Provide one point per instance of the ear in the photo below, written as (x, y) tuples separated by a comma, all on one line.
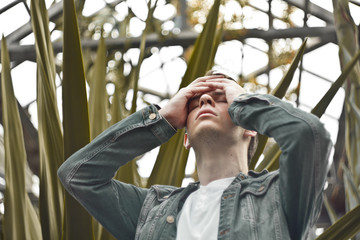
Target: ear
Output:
[(186, 142), (249, 133)]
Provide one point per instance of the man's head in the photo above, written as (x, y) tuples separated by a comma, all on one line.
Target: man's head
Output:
[(208, 120)]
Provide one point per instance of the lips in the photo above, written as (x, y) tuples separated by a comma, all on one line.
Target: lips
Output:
[(204, 111)]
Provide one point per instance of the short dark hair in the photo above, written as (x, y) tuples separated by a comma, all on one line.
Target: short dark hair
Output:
[(220, 73), (254, 140), (252, 147)]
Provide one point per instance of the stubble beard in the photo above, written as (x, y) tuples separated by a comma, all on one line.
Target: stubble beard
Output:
[(208, 137), (213, 137)]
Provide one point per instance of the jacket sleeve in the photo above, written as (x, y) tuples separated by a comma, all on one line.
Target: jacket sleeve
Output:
[(305, 146), (88, 174)]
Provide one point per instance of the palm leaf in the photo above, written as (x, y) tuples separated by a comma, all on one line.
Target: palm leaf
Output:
[(98, 96), (271, 159), (20, 219), (345, 228), (203, 46), (279, 91), (351, 191), (348, 41), (218, 38), (49, 130), (77, 222), (116, 110), (320, 108), (259, 150), (136, 73), (171, 160), (170, 163)]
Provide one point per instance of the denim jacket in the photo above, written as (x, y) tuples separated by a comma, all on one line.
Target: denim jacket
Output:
[(278, 205)]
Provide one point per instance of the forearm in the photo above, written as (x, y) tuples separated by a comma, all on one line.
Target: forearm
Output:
[(305, 146), (293, 129), (99, 160), (88, 174)]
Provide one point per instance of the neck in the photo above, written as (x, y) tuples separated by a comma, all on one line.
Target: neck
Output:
[(217, 162)]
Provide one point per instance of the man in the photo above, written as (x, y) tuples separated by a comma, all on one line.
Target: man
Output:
[(229, 202)]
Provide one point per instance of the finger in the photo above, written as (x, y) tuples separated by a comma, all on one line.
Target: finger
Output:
[(222, 80), (202, 83), (198, 84), (208, 85), (216, 85), (196, 91), (200, 90), (222, 83), (203, 79)]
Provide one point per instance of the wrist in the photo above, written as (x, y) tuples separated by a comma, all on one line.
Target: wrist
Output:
[(166, 117)]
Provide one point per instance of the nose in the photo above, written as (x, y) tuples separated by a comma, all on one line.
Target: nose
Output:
[(206, 99)]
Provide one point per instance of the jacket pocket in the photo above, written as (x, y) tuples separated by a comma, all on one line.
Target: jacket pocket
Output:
[(261, 211)]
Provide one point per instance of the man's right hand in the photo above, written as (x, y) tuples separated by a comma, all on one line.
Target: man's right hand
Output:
[(176, 110)]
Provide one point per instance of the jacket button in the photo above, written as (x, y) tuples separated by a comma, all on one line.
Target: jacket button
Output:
[(152, 116), (170, 219), (261, 188)]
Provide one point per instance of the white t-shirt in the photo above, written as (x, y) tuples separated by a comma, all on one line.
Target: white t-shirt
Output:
[(199, 217)]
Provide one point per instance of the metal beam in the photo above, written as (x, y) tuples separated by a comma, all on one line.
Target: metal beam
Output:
[(185, 39), (265, 69), (313, 9), (327, 32), (54, 12), (10, 5)]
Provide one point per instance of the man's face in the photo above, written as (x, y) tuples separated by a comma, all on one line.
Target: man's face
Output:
[(208, 115)]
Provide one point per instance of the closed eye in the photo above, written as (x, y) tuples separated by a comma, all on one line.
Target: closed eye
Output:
[(221, 98), (193, 103), (192, 107)]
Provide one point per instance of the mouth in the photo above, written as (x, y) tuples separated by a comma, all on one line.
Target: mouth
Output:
[(204, 113)]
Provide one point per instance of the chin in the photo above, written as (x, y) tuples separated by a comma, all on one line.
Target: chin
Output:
[(207, 135)]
